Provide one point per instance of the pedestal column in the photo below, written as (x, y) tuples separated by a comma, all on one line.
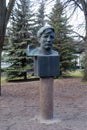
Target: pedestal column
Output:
[(46, 98)]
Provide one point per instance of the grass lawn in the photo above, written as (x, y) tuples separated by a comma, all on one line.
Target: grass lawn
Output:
[(76, 73), (3, 79)]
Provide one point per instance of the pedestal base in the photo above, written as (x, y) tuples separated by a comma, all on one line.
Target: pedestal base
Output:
[(46, 122)]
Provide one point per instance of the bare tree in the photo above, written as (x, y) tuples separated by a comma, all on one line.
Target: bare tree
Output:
[(82, 5), (5, 12)]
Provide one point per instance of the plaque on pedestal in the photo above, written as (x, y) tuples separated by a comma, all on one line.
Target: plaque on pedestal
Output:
[(46, 66)]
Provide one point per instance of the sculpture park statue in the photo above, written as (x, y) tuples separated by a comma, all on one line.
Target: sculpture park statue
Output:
[(46, 36), (46, 66)]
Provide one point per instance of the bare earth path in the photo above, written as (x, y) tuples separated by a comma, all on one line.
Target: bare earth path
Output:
[(19, 105)]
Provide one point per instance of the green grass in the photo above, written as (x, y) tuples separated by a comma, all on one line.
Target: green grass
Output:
[(29, 78), (3, 79), (76, 73)]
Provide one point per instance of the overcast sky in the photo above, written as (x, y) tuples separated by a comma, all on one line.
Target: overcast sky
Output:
[(78, 17)]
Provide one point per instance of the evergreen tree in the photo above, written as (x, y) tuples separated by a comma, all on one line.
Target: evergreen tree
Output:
[(40, 18), (63, 42), (41, 14), (19, 39)]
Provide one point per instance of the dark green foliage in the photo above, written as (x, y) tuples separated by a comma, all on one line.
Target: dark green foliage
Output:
[(63, 41), (40, 19), (41, 14), (20, 37)]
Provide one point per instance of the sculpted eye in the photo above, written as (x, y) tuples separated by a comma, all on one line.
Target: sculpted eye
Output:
[(52, 37), (45, 36)]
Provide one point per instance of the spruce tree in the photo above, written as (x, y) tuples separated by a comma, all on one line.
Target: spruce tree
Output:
[(41, 14), (63, 41), (39, 18), (19, 39)]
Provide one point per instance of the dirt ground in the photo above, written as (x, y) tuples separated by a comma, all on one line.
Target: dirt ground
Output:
[(19, 105)]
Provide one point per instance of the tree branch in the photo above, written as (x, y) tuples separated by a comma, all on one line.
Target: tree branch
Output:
[(84, 5), (76, 3), (79, 35), (9, 9)]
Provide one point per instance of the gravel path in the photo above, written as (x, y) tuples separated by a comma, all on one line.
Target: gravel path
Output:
[(19, 106)]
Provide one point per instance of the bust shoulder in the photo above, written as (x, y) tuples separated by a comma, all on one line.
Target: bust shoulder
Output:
[(55, 53), (32, 51)]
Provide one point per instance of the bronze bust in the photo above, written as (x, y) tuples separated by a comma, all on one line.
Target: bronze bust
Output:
[(45, 37)]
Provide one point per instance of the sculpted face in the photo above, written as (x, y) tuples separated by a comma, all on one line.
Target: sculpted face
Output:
[(46, 39)]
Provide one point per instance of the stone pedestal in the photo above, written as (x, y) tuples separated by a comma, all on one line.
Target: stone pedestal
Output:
[(46, 98), (46, 66)]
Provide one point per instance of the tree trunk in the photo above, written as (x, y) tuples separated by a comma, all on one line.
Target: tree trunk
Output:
[(0, 72), (4, 17), (2, 30), (84, 5), (1, 48), (85, 68), (25, 76)]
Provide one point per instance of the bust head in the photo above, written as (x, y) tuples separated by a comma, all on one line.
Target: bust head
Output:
[(46, 37)]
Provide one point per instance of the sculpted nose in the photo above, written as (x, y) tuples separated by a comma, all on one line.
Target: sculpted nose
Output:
[(48, 39)]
